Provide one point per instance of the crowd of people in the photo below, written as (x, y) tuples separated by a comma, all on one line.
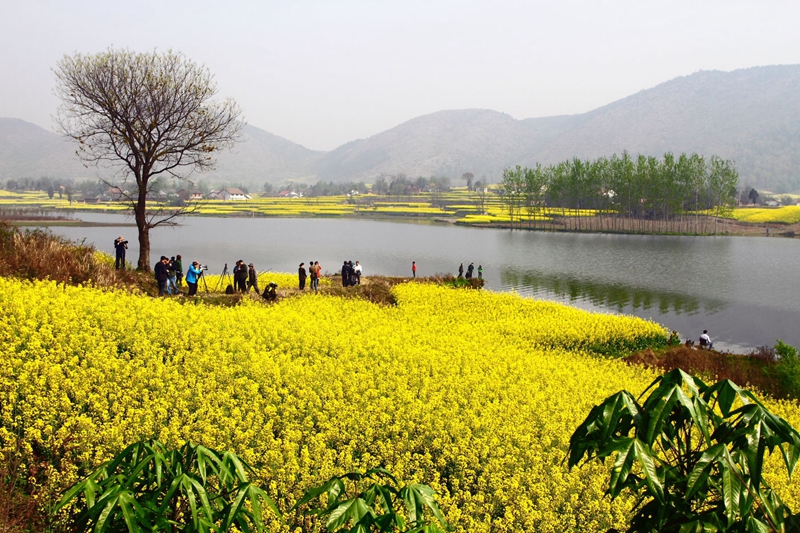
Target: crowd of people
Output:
[(169, 273), (351, 274), (470, 271), (313, 274)]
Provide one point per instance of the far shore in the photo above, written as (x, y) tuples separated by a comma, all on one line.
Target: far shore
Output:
[(726, 227)]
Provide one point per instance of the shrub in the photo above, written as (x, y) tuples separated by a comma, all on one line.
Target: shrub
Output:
[(694, 454), (786, 370), (148, 487)]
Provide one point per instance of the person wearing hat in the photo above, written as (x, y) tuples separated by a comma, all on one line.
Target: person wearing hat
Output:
[(120, 245), (162, 274), (252, 278), (193, 274)]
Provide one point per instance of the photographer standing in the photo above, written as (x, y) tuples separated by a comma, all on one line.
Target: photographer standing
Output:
[(120, 245), (252, 278), (193, 274)]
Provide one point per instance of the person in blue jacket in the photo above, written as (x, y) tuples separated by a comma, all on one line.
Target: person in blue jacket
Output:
[(192, 276)]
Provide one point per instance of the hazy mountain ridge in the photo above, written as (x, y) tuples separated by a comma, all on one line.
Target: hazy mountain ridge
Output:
[(751, 116), (27, 150)]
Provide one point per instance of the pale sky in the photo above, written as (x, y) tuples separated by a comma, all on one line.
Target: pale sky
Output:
[(325, 73)]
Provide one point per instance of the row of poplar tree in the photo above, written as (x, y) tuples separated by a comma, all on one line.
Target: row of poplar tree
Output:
[(642, 188)]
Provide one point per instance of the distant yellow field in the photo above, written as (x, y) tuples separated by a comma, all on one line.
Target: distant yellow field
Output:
[(768, 215)]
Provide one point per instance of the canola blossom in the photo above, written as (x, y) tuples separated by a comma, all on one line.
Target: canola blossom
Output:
[(789, 214), (473, 393)]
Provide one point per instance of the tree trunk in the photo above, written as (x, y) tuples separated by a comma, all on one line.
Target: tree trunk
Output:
[(140, 214)]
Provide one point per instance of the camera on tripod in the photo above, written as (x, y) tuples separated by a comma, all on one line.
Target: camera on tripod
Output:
[(203, 267)]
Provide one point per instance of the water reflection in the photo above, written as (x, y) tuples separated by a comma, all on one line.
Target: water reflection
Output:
[(618, 297)]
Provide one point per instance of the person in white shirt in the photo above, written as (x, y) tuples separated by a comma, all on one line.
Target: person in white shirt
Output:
[(357, 272), (705, 340)]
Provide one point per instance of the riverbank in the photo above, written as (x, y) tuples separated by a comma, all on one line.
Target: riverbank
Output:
[(457, 207)]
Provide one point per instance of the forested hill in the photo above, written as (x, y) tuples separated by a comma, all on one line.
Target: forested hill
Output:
[(751, 116)]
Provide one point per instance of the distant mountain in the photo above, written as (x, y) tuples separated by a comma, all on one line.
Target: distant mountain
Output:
[(447, 143), (26, 150), (264, 157), (751, 116)]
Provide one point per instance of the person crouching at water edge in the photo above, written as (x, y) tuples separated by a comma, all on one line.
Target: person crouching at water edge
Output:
[(193, 274)]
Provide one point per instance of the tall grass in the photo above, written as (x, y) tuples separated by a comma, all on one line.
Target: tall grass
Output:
[(38, 254)]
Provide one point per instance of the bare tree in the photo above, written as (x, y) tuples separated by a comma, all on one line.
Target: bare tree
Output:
[(150, 115)]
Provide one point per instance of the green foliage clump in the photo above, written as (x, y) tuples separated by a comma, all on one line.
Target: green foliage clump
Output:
[(694, 454), (786, 370), (148, 487), (376, 506)]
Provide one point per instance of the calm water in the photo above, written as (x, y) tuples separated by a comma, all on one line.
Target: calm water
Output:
[(745, 291)]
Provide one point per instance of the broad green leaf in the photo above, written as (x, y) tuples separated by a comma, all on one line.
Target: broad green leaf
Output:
[(731, 493), (658, 412), (349, 510), (622, 465), (645, 458), (418, 496), (700, 472)]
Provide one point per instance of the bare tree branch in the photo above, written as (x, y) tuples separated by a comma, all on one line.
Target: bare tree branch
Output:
[(149, 115)]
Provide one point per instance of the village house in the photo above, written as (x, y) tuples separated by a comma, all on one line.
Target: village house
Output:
[(231, 193), (288, 194)]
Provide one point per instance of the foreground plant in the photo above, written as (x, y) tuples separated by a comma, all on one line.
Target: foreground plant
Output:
[(150, 488), (376, 506), (693, 454)]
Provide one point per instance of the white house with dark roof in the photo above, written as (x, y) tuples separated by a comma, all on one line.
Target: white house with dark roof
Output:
[(231, 193)]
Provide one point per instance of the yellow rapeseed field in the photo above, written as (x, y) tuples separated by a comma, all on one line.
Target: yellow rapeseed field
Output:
[(789, 214), (471, 392)]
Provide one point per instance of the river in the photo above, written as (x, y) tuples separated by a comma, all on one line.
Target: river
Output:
[(743, 290)]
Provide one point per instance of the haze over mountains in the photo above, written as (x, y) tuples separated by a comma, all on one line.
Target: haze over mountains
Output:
[(751, 116)]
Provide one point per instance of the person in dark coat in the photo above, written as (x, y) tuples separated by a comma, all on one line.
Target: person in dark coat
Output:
[(252, 278), (345, 274), (161, 273), (240, 276), (301, 275), (120, 245), (178, 269), (461, 270), (470, 270)]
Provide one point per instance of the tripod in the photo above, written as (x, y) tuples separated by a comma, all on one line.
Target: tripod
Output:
[(225, 276), (205, 285)]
